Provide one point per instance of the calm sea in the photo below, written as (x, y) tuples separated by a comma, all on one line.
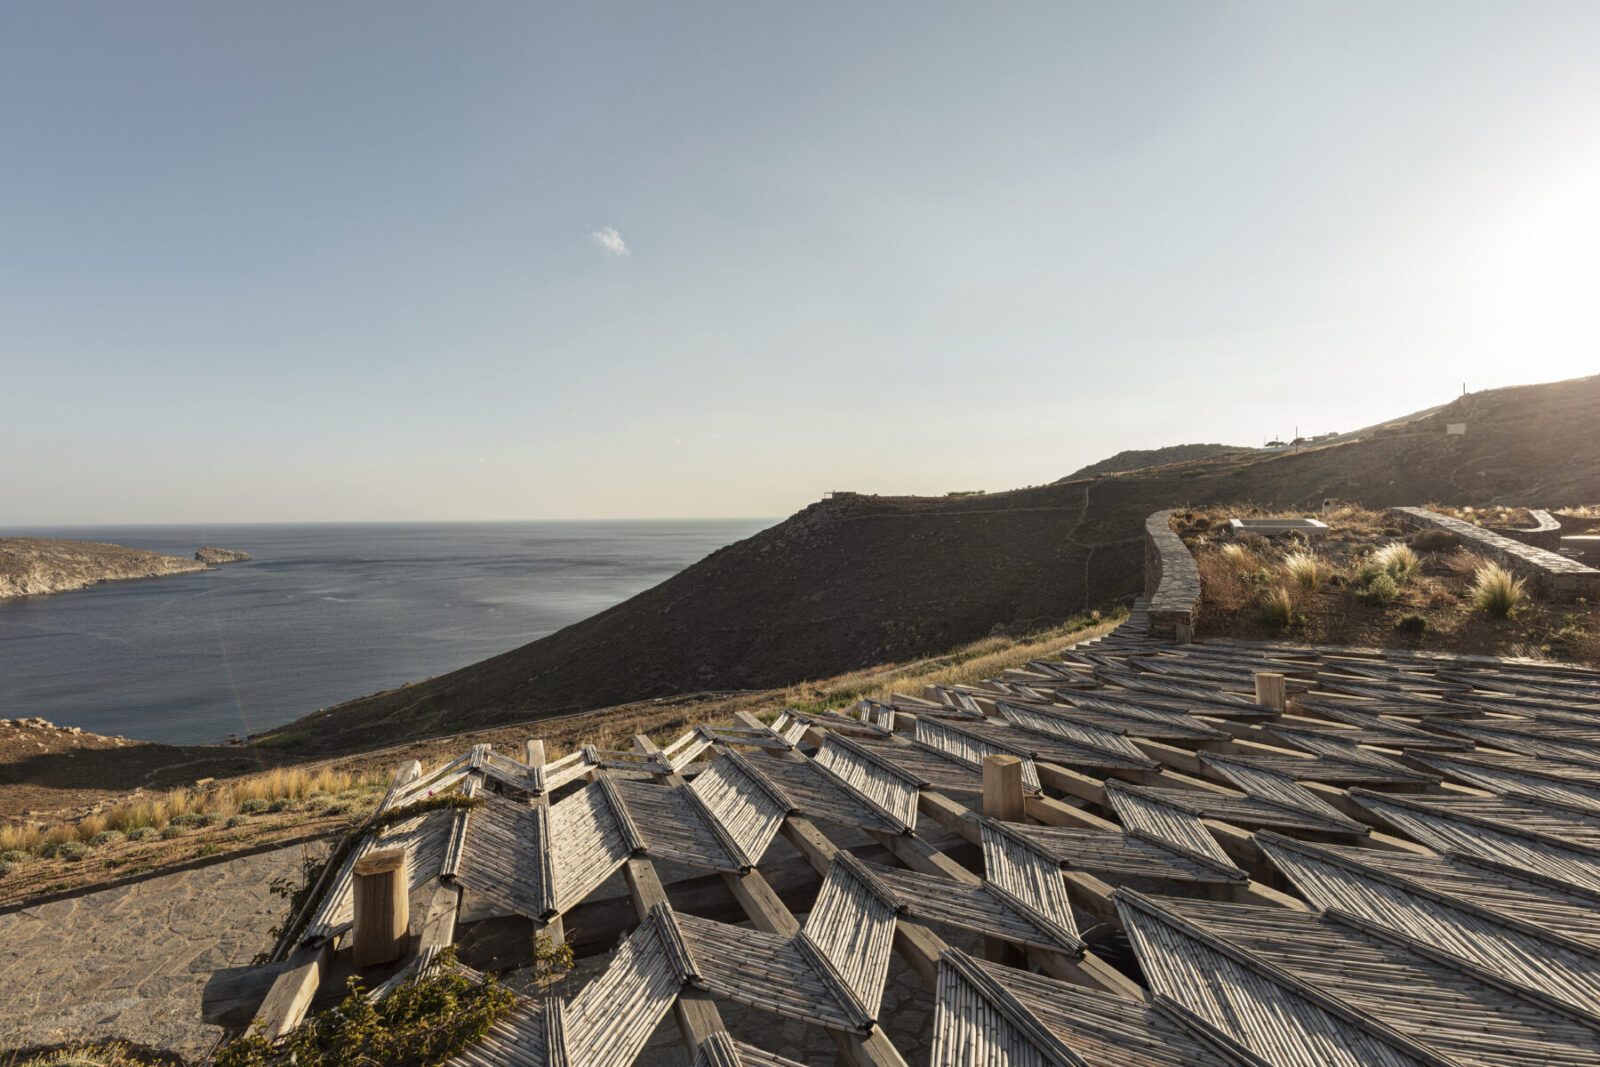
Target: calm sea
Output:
[(321, 614)]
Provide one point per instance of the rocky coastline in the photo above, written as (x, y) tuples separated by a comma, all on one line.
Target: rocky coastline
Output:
[(38, 566), (209, 554)]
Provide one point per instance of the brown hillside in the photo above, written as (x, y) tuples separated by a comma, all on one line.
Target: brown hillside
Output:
[(862, 580)]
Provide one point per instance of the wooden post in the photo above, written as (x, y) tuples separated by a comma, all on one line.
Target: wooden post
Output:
[(1271, 690), (382, 907), (1002, 788), (533, 753)]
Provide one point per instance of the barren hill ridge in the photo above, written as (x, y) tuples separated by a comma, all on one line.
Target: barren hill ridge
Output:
[(1139, 458), (861, 580)]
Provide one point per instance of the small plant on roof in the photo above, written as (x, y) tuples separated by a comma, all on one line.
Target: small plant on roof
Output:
[(426, 1021), (1496, 591)]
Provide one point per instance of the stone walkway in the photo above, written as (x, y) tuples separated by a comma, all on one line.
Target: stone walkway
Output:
[(130, 963)]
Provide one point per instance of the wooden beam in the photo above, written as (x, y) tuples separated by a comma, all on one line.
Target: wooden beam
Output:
[(439, 925), (694, 1010), (556, 928), (291, 993)]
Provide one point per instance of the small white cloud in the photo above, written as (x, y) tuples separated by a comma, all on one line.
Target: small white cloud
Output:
[(610, 240)]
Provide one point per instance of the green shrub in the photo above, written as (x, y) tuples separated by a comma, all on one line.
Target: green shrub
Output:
[(253, 805), (72, 851), (1496, 591), (170, 831), (1412, 624), (138, 833), (423, 1022), (15, 855), (188, 819), (1380, 589), (237, 820), (106, 837)]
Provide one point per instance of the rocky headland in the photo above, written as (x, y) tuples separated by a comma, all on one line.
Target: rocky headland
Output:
[(35, 566), (209, 554)]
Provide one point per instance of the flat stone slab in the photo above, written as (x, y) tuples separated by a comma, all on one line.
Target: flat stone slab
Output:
[(1268, 527), (130, 963)]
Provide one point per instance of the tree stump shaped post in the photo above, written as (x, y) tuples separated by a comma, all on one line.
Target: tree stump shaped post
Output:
[(382, 907), (1272, 690)]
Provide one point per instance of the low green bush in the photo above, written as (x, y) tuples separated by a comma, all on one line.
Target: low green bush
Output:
[(253, 805), (423, 1022), (138, 833), (106, 837), (1412, 624), (1379, 590), (188, 819), (237, 820)]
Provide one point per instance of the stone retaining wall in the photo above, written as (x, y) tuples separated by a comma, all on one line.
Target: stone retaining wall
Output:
[(1545, 535), (1552, 576), (1171, 581)]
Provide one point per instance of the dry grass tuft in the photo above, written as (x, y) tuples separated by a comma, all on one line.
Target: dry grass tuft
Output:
[(1398, 561), (1277, 608), (1497, 592), (1305, 570)]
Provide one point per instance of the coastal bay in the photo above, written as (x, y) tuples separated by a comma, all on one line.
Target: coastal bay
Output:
[(323, 613)]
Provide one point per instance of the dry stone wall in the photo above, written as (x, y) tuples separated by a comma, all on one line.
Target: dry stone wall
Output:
[(1553, 576), (1546, 533), (1171, 581)]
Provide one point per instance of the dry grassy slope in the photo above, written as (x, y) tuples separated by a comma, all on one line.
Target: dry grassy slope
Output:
[(858, 581)]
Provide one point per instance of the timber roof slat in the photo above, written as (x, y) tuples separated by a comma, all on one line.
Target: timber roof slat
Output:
[(970, 748)]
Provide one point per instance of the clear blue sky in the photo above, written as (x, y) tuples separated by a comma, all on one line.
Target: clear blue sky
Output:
[(306, 261)]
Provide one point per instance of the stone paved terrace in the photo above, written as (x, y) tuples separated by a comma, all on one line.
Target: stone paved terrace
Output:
[(130, 962), (1555, 576)]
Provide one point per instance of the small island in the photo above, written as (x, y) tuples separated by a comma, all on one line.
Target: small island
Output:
[(37, 566), (208, 554)]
